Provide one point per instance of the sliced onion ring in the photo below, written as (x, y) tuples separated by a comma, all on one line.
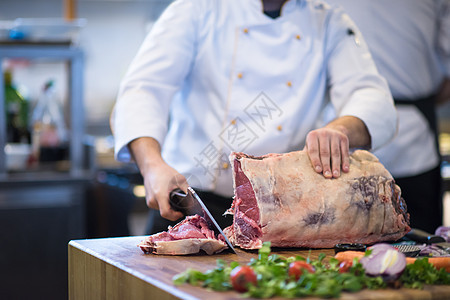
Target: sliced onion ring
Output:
[(385, 261)]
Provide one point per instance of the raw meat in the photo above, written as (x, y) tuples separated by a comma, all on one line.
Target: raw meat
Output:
[(187, 237), (280, 198)]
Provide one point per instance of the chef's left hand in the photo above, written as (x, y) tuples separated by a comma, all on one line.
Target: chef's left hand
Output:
[(328, 150), (328, 147)]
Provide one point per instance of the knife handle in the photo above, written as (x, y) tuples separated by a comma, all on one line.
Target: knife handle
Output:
[(423, 237), (176, 199)]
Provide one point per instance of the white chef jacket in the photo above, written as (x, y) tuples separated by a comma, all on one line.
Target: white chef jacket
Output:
[(219, 76), (410, 44)]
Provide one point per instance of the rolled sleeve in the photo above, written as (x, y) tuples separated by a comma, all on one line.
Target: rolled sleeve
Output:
[(155, 75), (356, 87)]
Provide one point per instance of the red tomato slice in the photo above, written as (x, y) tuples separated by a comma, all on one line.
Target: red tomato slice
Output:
[(241, 277), (344, 266), (296, 268)]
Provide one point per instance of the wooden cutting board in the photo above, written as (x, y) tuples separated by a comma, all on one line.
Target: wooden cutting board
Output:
[(115, 268)]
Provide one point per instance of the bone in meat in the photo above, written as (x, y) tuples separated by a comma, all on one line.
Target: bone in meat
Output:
[(280, 198)]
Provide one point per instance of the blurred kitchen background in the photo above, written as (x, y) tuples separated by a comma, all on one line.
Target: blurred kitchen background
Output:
[(65, 60), (62, 61)]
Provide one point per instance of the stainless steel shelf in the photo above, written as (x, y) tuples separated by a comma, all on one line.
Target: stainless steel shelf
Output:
[(75, 58)]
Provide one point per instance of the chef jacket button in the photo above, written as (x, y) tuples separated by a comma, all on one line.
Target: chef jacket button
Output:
[(225, 165), (239, 75), (233, 122), (298, 37), (279, 127), (289, 83), (245, 30)]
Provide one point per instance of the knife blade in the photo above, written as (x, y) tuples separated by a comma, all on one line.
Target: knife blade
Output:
[(191, 204)]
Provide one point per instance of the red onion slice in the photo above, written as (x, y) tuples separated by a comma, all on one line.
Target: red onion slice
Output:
[(443, 231), (384, 261)]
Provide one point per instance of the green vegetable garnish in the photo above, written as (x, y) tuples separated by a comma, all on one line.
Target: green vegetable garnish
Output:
[(422, 272), (368, 252), (326, 281)]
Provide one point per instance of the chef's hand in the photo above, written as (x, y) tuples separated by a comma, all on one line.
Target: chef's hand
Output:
[(159, 178), (328, 151), (328, 147), (158, 183)]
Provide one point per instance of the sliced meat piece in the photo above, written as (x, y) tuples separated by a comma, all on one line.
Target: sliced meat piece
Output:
[(184, 247), (187, 237), (280, 198)]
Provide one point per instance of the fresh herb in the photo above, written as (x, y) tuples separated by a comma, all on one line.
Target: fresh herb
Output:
[(217, 279), (326, 281), (368, 252), (422, 272)]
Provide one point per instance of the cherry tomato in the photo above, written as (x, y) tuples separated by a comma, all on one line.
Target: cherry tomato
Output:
[(241, 277), (296, 268), (344, 266)]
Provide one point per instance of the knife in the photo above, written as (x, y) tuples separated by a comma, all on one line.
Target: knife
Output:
[(424, 237), (191, 204)]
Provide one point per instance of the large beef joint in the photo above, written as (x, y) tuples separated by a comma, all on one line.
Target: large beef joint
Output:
[(187, 237), (281, 199)]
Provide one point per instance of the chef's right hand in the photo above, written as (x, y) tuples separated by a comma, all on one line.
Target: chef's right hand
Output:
[(159, 178), (158, 183)]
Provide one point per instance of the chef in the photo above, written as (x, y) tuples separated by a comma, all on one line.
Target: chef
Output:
[(252, 76), (415, 59)]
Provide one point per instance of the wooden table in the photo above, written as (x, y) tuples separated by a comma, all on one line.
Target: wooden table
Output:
[(115, 268)]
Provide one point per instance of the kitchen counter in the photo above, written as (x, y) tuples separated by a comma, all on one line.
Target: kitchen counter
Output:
[(115, 268)]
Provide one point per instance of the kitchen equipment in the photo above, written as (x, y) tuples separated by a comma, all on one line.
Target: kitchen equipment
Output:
[(49, 134), (180, 201), (17, 156), (424, 237), (349, 247), (191, 204), (408, 250), (47, 29), (5, 27)]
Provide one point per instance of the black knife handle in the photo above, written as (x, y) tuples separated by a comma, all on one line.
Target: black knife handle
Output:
[(424, 237), (176, 199)]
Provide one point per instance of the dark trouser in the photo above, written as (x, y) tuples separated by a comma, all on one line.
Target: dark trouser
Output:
[(216, 205), (423, 195)]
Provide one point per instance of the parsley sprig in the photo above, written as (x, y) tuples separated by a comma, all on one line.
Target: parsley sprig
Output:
[(422, 272)]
